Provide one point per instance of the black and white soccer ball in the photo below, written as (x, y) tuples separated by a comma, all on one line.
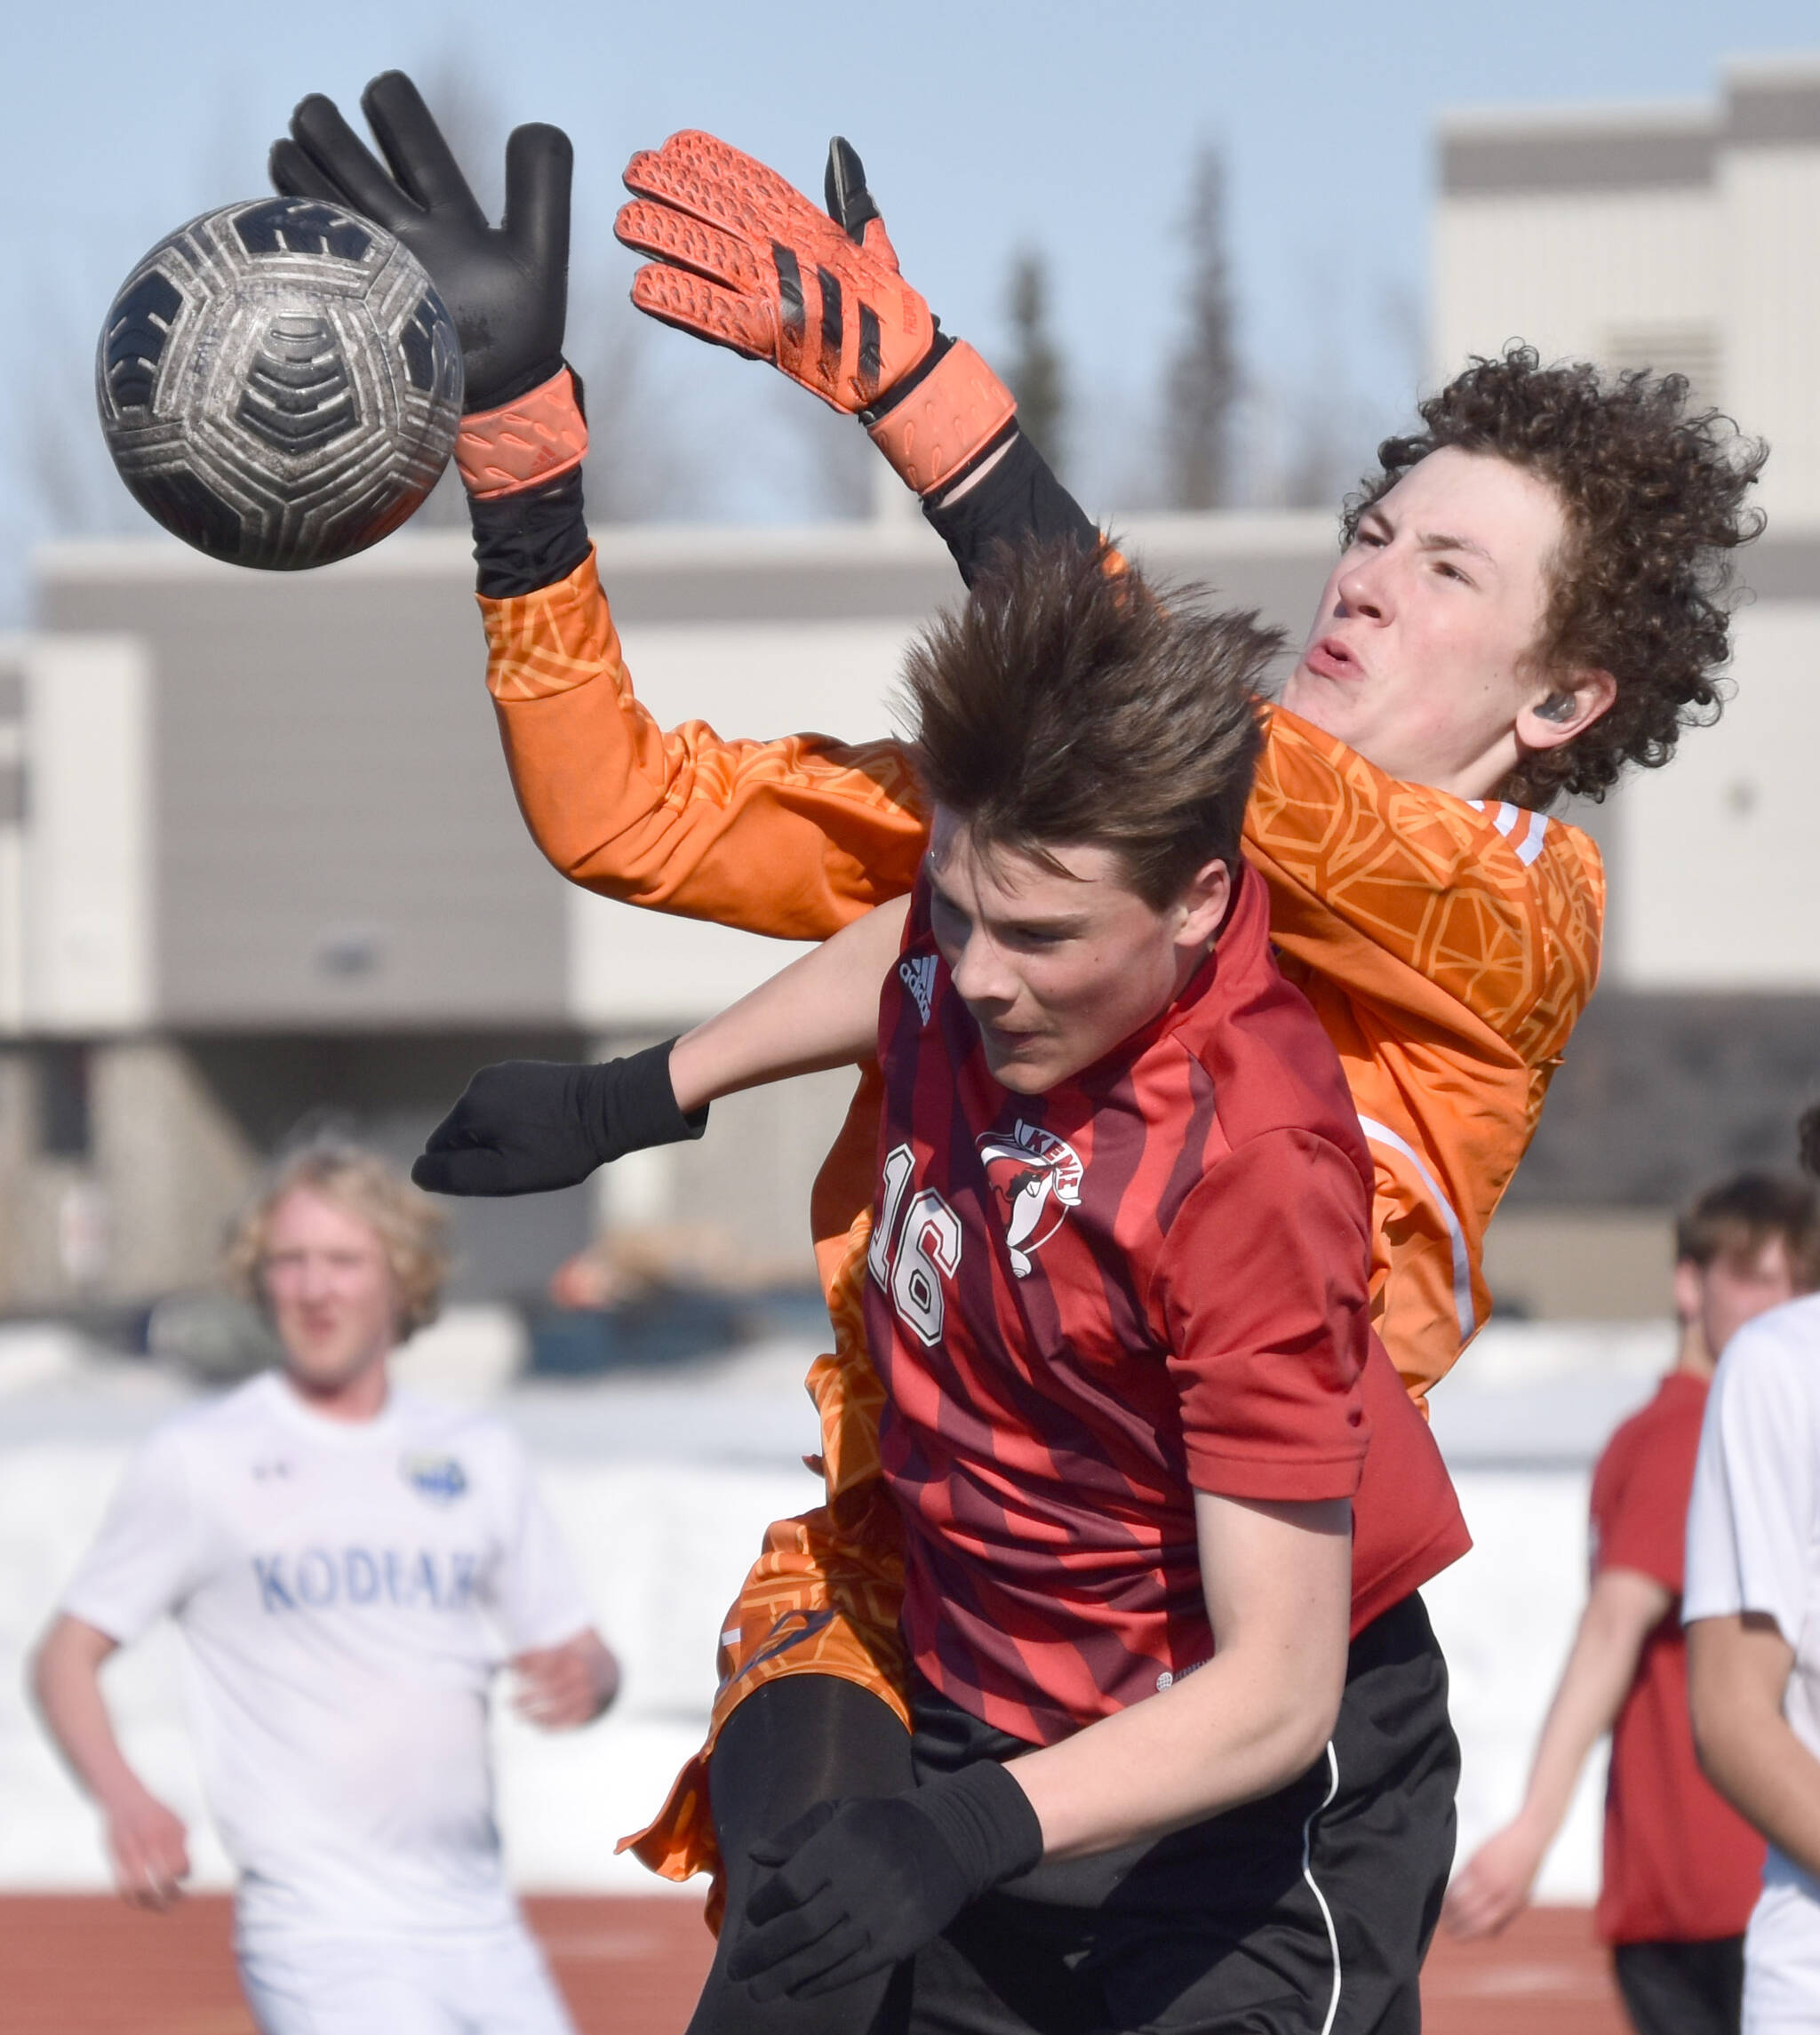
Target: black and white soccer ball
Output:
[(279, 383)]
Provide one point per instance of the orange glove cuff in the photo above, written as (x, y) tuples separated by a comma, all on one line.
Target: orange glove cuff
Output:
[(520, 444), (951, 414)]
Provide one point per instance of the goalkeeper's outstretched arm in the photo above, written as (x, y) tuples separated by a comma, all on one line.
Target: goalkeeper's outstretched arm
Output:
[(791, 837)]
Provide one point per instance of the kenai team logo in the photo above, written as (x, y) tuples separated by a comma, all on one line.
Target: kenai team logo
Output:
[(917, 975), (440, 1478), (1035, 1179)]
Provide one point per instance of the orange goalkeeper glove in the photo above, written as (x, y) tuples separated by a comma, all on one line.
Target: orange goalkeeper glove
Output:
[(745, 260)]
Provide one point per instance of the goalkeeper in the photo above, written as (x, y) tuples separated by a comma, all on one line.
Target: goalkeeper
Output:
[(1445, 931)]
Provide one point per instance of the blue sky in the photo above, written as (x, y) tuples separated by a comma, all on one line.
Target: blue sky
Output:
[(1064, 126)]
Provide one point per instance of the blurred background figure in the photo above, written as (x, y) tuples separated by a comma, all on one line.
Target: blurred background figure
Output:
[(1753, 1656), (338, 1556), (1682, 1869)]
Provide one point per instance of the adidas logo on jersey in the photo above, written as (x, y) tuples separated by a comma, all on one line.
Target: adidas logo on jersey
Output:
[(917, 974)]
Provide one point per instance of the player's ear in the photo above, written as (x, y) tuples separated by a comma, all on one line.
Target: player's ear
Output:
[(1202, 905), (1687, 1293), (1562, 706)]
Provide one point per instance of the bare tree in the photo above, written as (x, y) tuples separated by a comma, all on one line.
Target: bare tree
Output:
[(1337, 418), (638, 468), (1322, 457), (67, 477), (1036, 375), (1203, 384)]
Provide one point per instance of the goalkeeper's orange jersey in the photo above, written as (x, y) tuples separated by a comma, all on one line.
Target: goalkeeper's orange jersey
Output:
[(1448, 946)]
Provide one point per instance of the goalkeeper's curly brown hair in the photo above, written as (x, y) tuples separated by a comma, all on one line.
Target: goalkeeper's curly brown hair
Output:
[(1654, 499)]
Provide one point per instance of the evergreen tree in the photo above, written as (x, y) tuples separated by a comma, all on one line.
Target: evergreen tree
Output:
[(1203, 386), (1035, 376)]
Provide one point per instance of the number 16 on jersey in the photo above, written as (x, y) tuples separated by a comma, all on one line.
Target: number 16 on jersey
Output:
[(915, 1248)]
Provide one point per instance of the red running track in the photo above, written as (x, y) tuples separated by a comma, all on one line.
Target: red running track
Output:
[(87, 1965)]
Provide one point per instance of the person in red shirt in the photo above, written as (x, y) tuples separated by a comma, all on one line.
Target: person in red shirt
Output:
[(1180, 1747), (1681, 1867)]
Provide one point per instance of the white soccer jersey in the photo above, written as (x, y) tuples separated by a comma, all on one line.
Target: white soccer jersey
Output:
[(1754, 1545), (344, 1589)]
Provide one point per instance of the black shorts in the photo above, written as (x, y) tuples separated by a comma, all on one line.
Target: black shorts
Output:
[(1309, 1911), (1683, 1989)]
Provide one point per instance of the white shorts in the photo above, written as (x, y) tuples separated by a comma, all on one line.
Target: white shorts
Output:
[(1781, 1955), (494, 1982)]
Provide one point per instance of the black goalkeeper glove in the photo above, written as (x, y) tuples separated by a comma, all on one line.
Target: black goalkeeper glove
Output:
[(525, 1127), (507, 287), (861, 1885)]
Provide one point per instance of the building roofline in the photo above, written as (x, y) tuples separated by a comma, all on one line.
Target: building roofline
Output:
[(1645, 145), (1593, 116), (1773, 104), (415, 553), (1792, 67), (679, 547), (1580, 148)]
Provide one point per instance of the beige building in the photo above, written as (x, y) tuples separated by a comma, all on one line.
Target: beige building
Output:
[(1683, 237), (1686, 239), (1679, 237)]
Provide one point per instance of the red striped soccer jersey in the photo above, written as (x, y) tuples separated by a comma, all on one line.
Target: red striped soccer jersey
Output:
[(1088, 1304)]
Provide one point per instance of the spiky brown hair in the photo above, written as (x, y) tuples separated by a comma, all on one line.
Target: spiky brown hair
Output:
[(1069, 705)]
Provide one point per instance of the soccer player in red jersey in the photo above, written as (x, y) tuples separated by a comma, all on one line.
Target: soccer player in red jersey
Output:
[(1682, 1868), (1166, 1504)]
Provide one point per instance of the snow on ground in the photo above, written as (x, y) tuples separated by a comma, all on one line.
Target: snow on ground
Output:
[(1521, 1424), (662, 1483)]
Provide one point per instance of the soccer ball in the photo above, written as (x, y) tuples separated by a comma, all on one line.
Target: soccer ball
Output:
[(279, 383)]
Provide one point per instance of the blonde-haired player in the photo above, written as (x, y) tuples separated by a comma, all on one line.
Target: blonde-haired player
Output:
[(343, 1559)]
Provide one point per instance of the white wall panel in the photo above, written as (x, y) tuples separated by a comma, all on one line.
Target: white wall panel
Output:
[(87, 836), (1720, 851), (633, 967), (1772, 300), (1564, 269), (760, 679)]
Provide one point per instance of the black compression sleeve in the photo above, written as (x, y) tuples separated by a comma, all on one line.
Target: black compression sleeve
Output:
[(802, 1739), (530, 540), (1018, 500)]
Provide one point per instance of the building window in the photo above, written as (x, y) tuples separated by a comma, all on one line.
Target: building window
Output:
[(64, 1126)]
